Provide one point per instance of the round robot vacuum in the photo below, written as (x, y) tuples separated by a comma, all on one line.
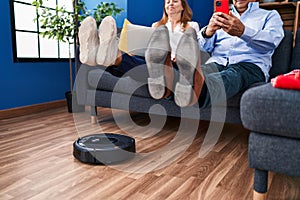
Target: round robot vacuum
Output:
[(106, 148)]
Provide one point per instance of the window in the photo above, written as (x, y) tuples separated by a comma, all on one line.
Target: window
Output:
[(28, 44)]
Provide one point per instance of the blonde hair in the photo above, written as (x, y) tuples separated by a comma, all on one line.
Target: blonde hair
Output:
[(186, 15)]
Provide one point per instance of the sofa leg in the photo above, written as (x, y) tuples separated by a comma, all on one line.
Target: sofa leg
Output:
[(93, 119), (260, 184), (259, 196), (93, 114)]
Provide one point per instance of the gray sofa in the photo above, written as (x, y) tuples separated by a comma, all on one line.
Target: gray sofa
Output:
[(273, 118), (97, 87)]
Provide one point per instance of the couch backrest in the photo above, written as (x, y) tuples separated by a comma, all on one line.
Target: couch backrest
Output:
[(296, 52), (281, 59)]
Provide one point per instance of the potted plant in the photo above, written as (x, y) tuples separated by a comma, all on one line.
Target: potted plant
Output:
[(61, 25)]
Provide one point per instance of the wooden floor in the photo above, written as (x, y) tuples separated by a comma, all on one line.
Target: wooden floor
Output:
[(36, 162)]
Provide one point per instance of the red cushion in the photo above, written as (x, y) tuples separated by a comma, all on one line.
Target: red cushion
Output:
[(287, 81)]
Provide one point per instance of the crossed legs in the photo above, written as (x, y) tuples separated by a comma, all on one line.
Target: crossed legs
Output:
[(191, 79)]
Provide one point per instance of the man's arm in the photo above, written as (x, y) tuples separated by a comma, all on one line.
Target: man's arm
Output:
[(216, 22), (262, 40), (207, 34), (268, 38)]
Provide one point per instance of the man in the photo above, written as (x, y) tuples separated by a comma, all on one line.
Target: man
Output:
[(241, 45)]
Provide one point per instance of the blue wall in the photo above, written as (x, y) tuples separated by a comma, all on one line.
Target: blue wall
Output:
[(23, 84), (147, 12), (144, 12), (202, 11)]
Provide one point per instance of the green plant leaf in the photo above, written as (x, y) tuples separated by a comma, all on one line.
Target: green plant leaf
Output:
[(59, 23)]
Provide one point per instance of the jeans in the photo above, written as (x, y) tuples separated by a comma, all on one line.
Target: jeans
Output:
[(223, 82), (133, 66)]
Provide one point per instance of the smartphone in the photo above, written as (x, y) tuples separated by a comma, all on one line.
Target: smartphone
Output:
[(222, 6)]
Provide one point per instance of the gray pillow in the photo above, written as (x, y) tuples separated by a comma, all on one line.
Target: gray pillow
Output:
[(281, 58)]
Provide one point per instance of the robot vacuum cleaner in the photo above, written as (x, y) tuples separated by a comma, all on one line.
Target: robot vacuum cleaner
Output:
[(105, 148)]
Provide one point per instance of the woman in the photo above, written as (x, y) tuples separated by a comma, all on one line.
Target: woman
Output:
[(175, 29), (177, 18)]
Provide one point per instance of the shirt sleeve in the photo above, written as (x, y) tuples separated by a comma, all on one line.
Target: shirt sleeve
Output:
[(269, 37), (195, 26), (205, 44)]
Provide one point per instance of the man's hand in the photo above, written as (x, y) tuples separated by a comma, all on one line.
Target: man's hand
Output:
[(212, 26), (229, 23)]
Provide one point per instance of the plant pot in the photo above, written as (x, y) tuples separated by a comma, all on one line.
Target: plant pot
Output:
[(73, 106)]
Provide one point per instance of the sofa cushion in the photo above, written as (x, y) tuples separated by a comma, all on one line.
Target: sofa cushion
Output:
[(269, 110), (281, 58), (296, 53), (124, 85), (101, 79)]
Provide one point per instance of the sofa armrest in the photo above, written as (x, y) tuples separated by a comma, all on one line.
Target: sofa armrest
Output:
[(270, 110)]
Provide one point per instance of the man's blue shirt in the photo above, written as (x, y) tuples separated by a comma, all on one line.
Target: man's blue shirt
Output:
[(263, 33)]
